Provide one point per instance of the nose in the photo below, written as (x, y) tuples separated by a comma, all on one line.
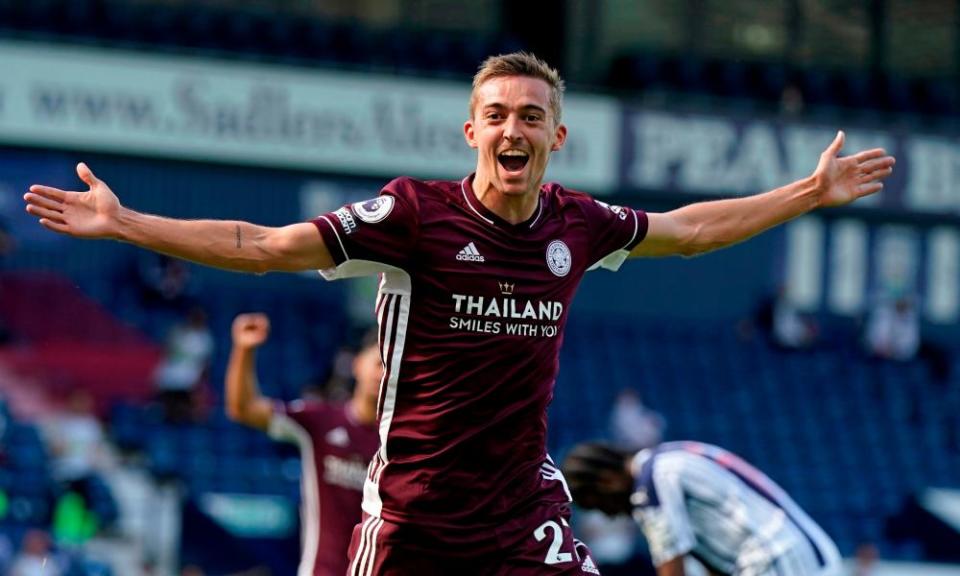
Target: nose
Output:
[(511, 129)]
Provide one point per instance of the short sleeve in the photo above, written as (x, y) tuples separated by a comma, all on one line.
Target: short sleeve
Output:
[(614, 231), (374, 235), (291, 421), (662, 515)]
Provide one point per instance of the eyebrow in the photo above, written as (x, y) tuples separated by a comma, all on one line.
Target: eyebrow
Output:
[(524, 107)]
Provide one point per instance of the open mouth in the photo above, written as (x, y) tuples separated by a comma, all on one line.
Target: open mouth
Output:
[(513, 160)]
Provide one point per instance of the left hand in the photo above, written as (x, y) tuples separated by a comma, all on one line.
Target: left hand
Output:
[(844, 179)]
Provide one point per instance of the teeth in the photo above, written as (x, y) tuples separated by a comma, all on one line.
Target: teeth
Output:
[(518, 153)]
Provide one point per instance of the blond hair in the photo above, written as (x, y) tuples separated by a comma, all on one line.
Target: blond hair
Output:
[(520, 64)]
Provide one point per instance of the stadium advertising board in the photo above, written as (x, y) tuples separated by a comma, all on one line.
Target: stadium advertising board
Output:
[(180, 107), (713, 154)]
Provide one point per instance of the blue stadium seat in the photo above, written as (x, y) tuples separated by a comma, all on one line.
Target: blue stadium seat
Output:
[(850, 438)]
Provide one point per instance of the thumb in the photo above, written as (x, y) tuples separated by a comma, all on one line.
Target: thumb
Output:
[(834, 148), (85, 174)]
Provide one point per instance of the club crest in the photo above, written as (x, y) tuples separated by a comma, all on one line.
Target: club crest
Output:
[(558, 258)]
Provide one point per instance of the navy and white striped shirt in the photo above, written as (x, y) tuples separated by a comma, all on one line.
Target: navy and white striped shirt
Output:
[(698, 499)]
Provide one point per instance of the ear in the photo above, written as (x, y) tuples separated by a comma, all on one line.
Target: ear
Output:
[(468, 133), (560, 136)]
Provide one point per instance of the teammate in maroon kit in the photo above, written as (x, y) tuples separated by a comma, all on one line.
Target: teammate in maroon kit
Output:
[(336, 442), (477, 277)]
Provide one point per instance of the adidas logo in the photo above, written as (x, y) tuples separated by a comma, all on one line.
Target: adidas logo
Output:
[(589, 567), (338, 437), (469, 253)]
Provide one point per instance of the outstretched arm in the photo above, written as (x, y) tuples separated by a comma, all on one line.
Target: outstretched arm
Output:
[(707, 226), (233, 245), (245, 404)]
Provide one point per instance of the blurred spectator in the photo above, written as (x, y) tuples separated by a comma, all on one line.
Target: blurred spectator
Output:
[(791, 100), (791, 329), (866, 560), (633, 426), (184, 368), (163, 282), (893, 330), (35, 557), (788, 327), (78, 445)]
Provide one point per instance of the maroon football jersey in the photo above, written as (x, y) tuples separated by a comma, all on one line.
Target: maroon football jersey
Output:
[(471, 311), (335, 450)]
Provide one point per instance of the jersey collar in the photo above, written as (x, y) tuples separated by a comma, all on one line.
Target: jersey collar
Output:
[(485, 214)]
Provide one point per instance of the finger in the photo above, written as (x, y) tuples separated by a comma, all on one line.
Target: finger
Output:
[(43, 201), (870, 188), (870, 154), (877, 164), (86, 174), (876, 175), (49, 192), (55, 226), (834, 148), (45, 213)]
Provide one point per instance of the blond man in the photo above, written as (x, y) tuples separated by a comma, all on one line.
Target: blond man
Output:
[(477, 280)]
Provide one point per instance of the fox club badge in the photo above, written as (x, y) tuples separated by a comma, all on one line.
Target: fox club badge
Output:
[(558, 258)]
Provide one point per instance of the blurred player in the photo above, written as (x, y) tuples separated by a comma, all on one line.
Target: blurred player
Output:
[(696, 499), (336, 442), (477, 281)]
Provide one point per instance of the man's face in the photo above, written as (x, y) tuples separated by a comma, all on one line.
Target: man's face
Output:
[(514, 132)]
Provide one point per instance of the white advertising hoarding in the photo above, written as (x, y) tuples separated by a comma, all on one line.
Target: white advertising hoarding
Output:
[(198, 109)]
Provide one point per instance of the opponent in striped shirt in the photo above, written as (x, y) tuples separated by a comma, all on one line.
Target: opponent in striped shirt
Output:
[(336, 442), (477, 279), (696, 499)]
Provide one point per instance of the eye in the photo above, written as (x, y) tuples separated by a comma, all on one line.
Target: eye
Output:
[(533, 118), (493, 116)]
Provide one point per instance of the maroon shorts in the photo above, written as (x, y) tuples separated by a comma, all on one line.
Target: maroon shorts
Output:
[(540, 544)]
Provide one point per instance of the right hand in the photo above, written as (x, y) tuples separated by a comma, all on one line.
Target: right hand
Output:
[(250, 330), (90, 214)]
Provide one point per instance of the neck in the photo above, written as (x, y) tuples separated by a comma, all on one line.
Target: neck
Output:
[(365, 412), (514, 208)]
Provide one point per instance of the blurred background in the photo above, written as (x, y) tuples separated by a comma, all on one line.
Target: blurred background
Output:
[(825, 352)]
